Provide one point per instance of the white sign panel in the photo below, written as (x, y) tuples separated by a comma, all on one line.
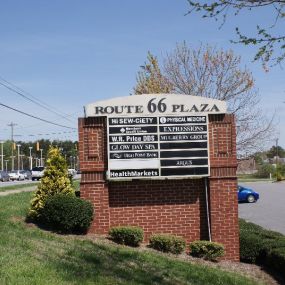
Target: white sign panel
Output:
[(155, 104)]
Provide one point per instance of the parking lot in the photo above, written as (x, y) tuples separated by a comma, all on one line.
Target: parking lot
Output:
[(269, 210)]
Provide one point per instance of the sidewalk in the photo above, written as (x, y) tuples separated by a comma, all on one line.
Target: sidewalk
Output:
[(8, 192)]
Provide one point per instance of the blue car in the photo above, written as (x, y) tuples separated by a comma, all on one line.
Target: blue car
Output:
[(247, 195)]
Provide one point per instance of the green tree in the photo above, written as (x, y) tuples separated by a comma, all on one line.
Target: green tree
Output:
[(276, 151), (150, 79), (267, 40), (68, 149), (265, 170), (54, 181)]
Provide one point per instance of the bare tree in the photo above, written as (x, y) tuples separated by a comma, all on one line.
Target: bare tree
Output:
[(215, 73), (268, 41)]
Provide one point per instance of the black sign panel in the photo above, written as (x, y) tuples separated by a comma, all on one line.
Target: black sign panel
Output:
[(184, 162), (133, 138), (132, 130), (183, 128), (134, 155), (183, 120), (157, 147), (131, 173), (129, 121), (133, 146), (183, 145), (183, 137), (197, 171), (184, 153)]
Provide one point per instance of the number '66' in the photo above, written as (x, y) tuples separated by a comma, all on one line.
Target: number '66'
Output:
[(160, 106)]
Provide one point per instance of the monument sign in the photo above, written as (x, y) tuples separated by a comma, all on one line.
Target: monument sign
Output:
[(157, 136)]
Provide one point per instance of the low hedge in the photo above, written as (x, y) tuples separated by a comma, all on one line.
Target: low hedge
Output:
[(206, 249), (66, 214), (127, 235), (167, 243), (276, 260), (263, 247)]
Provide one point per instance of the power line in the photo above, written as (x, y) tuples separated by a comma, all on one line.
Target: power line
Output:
[(41, 104), (35, 117)]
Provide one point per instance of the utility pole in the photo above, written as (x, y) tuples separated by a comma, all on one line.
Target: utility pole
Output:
[(6, 164), (12, 125)]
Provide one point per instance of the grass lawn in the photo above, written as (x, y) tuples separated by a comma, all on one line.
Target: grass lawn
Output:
[(16, 186), (33, 256), (251, 178), (76, 184)]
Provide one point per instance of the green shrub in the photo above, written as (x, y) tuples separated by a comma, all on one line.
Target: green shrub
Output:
[(66, 214), (251, 247), (261, 246), (256, 243), (264, 171), (127, 235), (276, 260), (279, 176), (54, 181), (206, 249), (167, 243)]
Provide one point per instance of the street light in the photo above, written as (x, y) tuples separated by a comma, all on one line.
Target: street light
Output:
[(2, 156), (70, 160), (22, 161), (18, 146), (41, 163), (31, 159), (277, 170)]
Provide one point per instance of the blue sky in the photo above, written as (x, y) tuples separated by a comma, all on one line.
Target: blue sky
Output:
[(69, 53)]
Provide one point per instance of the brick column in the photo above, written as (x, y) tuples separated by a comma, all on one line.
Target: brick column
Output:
[(93, 165), (223, 184)]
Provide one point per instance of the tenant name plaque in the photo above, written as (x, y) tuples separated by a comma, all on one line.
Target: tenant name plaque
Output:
[(157, 137), (157, 147)]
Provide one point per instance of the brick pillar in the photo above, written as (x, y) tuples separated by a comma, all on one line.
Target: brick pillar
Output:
[(93, 165), (223, 184)]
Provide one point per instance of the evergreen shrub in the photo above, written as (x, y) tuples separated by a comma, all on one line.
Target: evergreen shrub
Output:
[(261, 246), (127, 235), (167, 243), (54, 181), (206, 249), (67, 214)]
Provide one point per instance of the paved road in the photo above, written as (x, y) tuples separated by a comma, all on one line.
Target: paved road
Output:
[(269, 210), (2, 184)]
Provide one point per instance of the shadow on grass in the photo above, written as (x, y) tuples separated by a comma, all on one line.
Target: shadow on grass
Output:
[(88, 262)]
